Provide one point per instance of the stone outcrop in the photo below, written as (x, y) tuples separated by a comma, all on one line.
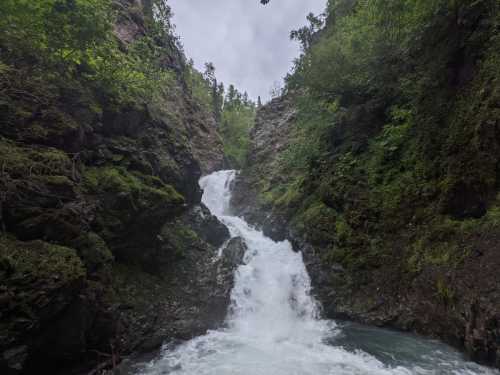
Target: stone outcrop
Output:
[(187, 291), (269, 137)]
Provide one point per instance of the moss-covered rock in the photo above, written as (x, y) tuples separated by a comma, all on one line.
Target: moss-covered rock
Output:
[(19, 160), (93, 252), (38, 282), (132, 208), (143, 189), (92, 167)]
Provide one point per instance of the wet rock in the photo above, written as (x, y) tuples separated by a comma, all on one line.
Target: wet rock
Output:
[(233, 253), (181, 299), (207, 226)]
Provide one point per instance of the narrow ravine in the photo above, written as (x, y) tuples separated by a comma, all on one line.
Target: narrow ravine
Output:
[(274, 326)]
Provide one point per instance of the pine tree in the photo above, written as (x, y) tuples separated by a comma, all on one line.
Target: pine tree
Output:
[(218, 102)]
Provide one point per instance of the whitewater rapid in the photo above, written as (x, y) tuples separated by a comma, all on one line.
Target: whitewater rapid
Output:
[(273, 326)]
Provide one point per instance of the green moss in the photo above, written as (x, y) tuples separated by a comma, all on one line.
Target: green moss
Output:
[(20, 161), (413, 264), (266, 192), (342, 229), (317, 220), (41, 260), (133, 208), (493, 216), (110, 179), (267, 198), (291, 196), (132, 286), (141, 187), (12, 157), (443, 242), (93, 251), (178, 238), (444, 292), (53, 123)]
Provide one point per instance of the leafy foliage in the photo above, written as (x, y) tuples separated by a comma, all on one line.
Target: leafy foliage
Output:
[(233, 111), (238, 117), (393, 136), (74, 39)]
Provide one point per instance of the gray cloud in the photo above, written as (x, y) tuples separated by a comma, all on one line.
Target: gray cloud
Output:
[(248, 43)]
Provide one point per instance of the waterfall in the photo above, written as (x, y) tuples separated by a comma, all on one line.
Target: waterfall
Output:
[(273, 325)]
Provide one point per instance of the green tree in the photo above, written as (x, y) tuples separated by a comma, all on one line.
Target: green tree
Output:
[(238, 118), (305, 35), (75, 39)]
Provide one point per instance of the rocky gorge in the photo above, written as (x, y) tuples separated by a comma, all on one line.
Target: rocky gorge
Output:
[(383, 170)]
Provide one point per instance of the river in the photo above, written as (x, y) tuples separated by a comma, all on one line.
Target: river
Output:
[(274, 327)]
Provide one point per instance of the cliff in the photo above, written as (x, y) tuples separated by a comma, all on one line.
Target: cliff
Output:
[(105, 248), (386, 175)]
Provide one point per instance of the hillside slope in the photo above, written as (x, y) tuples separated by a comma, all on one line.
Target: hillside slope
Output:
[(382, 163)]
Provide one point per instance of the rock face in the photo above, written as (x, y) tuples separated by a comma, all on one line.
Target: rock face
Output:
[(233, 254), (269, 137), (39, 281), (186, 293), (457, 302), (105, 247)]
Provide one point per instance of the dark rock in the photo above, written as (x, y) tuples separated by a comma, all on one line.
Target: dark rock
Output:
[(14, 359), (207, 226), (44, 282), (178, 305), (233, 253)]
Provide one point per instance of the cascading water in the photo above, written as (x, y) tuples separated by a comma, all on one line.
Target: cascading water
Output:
[(273, 326)]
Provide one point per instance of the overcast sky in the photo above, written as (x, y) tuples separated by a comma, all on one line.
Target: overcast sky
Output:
[(247, 42)]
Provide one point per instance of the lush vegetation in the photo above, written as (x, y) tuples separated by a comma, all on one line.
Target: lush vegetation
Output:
[(233, 111), (238, 117), (395, 138), (58, 41)]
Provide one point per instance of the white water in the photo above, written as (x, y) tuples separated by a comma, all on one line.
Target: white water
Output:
[(273, 326)]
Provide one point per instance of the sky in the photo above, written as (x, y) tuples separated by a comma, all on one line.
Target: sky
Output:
[(247, 42)]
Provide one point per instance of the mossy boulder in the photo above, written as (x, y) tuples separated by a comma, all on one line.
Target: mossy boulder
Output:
[(131, 208), (142, 189), (177, 239), (38, 281), (39, 193)]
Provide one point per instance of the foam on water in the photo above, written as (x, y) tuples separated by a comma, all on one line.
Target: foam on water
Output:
[(274, 328)]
